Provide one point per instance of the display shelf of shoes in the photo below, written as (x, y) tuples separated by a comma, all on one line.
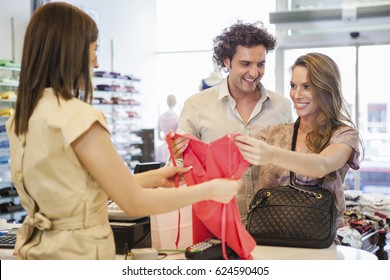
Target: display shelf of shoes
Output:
[(116, 96), (10, 208), (9, 81)]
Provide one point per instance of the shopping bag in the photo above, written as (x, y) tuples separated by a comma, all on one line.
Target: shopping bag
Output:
[(164, 228)]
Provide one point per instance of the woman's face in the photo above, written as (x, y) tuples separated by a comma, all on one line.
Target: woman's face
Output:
[(301, 93), (93, 59)]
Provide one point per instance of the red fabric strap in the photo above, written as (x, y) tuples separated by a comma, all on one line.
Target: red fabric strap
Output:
[(168, 139)]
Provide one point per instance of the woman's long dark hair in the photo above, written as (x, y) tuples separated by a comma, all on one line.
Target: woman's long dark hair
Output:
[(55, 54)]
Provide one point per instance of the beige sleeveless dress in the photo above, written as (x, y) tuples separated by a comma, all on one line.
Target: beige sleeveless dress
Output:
[(67, 213)]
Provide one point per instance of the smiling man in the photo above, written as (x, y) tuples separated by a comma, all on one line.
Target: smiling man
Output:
[(240, 103)]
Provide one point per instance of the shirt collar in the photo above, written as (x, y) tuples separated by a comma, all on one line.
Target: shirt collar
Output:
[(224, 91)]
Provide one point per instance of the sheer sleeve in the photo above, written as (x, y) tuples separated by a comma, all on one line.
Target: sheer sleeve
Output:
[(348, 136)]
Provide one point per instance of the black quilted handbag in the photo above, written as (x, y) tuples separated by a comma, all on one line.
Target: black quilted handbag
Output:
[(293, 216)]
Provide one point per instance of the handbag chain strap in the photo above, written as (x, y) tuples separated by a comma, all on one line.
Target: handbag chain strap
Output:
[(292, 175), (254, 205)]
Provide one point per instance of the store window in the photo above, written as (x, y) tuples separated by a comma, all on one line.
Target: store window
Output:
[(377, 117)]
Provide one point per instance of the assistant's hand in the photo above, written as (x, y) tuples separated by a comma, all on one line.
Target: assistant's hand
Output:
[(167, 174), (223, 190), (179, 145), (255, 151)]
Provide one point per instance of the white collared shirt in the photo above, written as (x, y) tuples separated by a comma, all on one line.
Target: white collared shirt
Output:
[(212, 113)]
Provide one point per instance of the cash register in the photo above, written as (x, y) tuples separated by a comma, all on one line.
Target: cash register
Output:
[(131, 232)]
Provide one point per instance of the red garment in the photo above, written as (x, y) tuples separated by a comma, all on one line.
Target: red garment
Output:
[(218, 159)]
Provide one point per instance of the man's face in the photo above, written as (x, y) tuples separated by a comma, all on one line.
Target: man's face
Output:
[(246, 69)]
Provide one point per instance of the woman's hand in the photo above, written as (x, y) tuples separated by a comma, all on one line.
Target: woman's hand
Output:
[(179, 145), (162, 177), (166, 175), (223, 190), (255, 151)]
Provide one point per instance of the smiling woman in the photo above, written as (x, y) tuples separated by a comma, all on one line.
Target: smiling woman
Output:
[(327, 144), (367, 105)]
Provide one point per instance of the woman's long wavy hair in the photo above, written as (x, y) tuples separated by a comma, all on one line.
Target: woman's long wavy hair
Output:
[(55, 54), (324, 78)]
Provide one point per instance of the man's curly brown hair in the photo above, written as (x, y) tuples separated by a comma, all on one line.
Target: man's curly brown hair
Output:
[(241, 34)]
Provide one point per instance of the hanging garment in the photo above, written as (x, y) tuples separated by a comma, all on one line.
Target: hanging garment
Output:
[(218, 159)]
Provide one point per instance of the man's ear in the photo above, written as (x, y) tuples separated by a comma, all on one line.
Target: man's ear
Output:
[(226, 62)]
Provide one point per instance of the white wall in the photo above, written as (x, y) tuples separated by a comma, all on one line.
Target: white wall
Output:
[(20, 11), (130, 24)]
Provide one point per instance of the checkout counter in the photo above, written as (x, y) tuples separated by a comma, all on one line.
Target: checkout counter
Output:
[(334, 252)]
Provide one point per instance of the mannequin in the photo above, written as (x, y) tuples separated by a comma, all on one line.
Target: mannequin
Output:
[(166, 122), (213, 79)]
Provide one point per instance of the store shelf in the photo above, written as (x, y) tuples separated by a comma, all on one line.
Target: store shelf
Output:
[(10, 68), (10, 208), (9, 84), (117, 97), (7, 103)]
